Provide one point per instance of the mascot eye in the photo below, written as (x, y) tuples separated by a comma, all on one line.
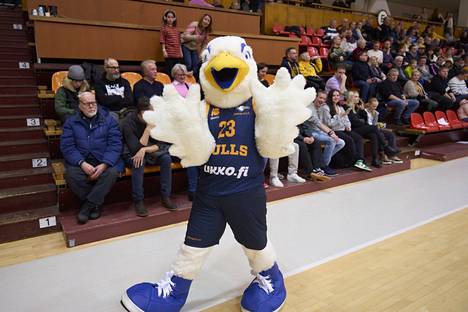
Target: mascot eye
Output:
[(247, 55)]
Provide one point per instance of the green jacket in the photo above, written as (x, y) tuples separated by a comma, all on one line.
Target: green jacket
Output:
[(66, 98)]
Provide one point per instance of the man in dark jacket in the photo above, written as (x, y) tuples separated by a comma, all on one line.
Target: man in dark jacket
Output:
[(91, 144), (361, 74), (66, 97), (392, 94), (439, 90), (112, 91), (140, 150), (290, 62), (148, 86)]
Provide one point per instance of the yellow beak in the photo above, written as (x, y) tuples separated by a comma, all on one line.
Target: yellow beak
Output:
[(224, 72)]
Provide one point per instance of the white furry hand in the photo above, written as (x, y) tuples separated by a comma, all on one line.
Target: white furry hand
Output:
[(279, 109), (181, 122)]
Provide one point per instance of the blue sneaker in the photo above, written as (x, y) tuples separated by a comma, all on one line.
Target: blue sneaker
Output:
[(329, 171), (266, 293), (168, 295)]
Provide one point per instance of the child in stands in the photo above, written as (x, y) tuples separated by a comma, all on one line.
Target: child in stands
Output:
[(170, 41)]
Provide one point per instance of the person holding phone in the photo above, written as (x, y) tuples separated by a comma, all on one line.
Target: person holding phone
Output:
[(335, 116)]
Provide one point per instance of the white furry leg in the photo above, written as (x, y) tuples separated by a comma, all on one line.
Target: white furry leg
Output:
[(261, 260), (189, 261)]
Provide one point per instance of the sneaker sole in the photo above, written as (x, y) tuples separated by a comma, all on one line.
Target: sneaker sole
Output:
[(280, 307), (319, 178), (363, 168), (128, 304)]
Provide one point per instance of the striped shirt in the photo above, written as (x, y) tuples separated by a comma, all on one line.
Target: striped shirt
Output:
[(170, 37)]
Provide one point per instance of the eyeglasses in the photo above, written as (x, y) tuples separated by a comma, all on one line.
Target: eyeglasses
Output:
[(113, 67), (90, 104)]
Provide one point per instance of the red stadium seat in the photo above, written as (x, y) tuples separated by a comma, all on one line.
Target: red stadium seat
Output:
[(442, 120), (316, 42), (417, 122), (278, 29), (312, 51), (305, 41), (430, 121), (309, 31), (453, 120), (323, 52), (319, 32)]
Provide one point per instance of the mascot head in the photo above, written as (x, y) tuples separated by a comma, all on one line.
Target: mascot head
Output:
[(228, 66)]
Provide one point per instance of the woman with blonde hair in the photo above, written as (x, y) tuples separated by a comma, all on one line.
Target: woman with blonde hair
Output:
[(414, 90)]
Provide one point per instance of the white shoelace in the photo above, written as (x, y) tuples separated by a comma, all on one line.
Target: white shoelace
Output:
[(264, 282), (165, 285)]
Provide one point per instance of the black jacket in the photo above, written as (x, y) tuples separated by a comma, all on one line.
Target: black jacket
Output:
[(438, 85), (361, 71)]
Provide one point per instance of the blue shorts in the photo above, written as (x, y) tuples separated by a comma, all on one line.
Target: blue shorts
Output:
[(245, 213)]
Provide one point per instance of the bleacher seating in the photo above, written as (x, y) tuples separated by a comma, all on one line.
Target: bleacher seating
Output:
[(57, 80), (163, 78), (454, 122), (132, 77), (442, 120)]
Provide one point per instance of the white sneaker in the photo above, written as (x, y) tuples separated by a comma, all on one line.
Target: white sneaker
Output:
[(274, 181), (295, 178), (280, 176)]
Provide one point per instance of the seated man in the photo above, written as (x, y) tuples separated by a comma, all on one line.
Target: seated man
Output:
[(66, 97), (112, 91), (314, 128), (392, 94), (140, 150), (458, 85), (91, 144), (148, 86), (362, 77), (338, 80), (290, 62), (440, 92)]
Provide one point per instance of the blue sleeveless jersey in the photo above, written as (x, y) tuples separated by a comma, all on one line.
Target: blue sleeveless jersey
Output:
[(235, 165)]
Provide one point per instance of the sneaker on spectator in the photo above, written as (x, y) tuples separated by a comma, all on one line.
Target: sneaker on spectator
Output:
[(280, 176), (95, 213), (361, 165), (396, 160), (295, 178), (275, 181), (329, 171), (140, 209), (385, 160)]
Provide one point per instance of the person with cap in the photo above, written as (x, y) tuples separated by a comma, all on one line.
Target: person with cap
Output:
[(66, 97)]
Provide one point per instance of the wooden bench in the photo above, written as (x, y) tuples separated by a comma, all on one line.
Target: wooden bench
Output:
[(52, 128)]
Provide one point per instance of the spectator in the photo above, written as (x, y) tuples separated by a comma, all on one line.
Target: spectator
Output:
[(148, 86), (359, 124), (413, 65), (375, 51), (439, 91), (310, 154), (179, 74), (290, 62), (387, 57), (414, 90), (170, 41), (457, 67), (361, 47), (431, 56), (66, 97), (434, 67), (463, 111), (392, 93), (398, 65), (322, 134), (412, 54), (362, 77), (348, 44), (310, 69), (458, 85), (372, 119), (338, 80), (448, 27), (293, 162), (436, 16), (335, 117), (330, 31), (376, 73), (337, 55), (113, 92), (200, 3), (423, 68), (194, 39), (385, 30), (141, 150), (91, 144), (357, 32), (262, 70)]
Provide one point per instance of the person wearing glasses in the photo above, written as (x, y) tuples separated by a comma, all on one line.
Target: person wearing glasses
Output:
[(66, 97), (113, 92), (91, 144)]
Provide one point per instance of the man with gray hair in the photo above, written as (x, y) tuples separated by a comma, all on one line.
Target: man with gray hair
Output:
[(91, 144), (148, 86), (398, 65), (392, 94), (113, 92)]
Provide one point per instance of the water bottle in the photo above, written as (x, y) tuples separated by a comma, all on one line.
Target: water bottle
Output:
[(41, 10)]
